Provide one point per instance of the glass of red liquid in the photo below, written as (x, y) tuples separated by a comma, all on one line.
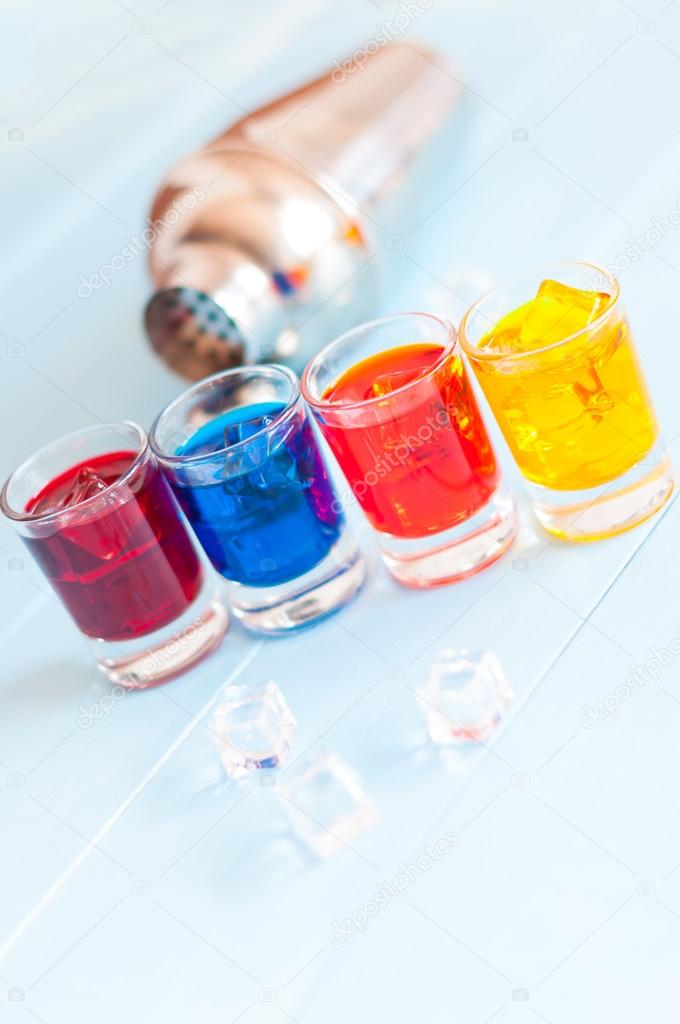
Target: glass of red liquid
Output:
[(394, 402), (99, 519)]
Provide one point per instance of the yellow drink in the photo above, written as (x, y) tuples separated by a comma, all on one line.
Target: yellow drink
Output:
[(563, 379)]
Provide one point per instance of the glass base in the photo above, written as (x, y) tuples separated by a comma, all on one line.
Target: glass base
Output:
[(166, 653), (457, 553), (307, 599), (610, 509)]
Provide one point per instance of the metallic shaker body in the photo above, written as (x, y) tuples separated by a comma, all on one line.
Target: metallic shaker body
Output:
[(262, 252)]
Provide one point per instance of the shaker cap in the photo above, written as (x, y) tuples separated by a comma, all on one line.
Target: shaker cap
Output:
[(192, 333)]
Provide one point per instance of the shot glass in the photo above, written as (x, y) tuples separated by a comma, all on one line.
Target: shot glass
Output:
[(394, 403), (240, 454), (101, 523), (554, 354)]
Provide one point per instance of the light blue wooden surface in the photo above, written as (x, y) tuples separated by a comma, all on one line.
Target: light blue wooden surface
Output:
[(137, 883)]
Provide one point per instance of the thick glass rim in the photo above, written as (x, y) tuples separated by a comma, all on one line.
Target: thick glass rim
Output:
[(477, 355), (368, 325), (43, 517), (171, 458)]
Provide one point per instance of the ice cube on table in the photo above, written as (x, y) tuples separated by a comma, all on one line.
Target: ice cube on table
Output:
[(254, 727), (464, 696), (326, 803)]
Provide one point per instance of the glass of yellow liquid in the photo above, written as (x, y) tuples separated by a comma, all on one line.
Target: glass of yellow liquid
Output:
[(554, 354)]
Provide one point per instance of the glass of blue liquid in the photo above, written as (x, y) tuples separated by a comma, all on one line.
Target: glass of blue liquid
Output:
[(240, 454)]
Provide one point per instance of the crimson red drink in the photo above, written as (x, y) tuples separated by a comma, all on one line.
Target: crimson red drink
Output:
[(103, 526), (123, 567)]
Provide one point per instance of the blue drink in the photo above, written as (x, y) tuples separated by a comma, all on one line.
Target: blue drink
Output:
[(264, 510), (241, 456)]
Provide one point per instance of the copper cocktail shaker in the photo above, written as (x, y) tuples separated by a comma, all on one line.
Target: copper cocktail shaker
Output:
[(261, 250)]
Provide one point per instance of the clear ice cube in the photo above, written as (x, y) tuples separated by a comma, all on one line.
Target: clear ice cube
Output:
[(245, 429), (591, 393), (559, 311), (556, 312), (86, 485), (326, 802), (386, 383), (465, 695), (254, 727)]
